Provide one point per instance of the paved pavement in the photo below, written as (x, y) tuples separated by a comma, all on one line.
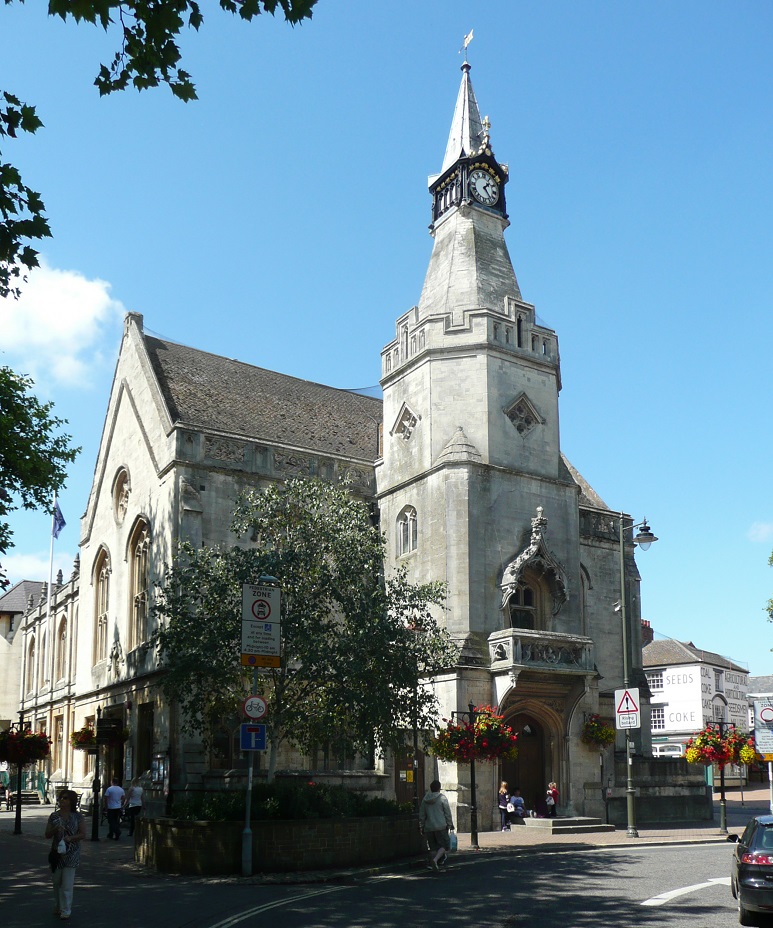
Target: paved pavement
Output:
[(23, 857)]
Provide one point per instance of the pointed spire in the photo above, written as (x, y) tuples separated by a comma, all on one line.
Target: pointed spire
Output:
[(466, 134)]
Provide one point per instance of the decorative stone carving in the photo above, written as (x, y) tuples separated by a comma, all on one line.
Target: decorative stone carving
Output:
[(541, 650), (222, 449), (357, 477), (405, 423), (190, 496), (537, 556), (523, 415), (290, 462), (121, 493)]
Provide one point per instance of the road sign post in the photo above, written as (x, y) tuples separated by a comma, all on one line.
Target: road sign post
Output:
[(763, 737), (260, 647), (627, 711)]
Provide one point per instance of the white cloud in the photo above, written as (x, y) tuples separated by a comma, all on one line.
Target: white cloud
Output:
[(760, 531), (35, 566), (55, 331)]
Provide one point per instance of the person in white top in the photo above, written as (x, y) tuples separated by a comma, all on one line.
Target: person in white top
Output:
[(135, 803), (111, 803)]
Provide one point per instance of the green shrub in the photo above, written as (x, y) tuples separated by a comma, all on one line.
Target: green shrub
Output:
[(283, 800)]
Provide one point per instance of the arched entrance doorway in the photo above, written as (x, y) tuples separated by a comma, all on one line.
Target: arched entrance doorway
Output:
[(527, 771)]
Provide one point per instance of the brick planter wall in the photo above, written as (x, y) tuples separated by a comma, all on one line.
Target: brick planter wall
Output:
[(211, 848)]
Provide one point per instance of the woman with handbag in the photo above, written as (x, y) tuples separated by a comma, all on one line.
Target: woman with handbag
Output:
[(551, 799), (66, 828)]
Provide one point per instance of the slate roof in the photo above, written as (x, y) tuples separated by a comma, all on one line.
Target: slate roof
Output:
[(208, 392), (668, 651), (588, 496), (760, 686), (15, 600)]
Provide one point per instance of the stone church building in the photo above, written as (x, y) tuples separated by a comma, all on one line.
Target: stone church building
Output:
[(463, 463)]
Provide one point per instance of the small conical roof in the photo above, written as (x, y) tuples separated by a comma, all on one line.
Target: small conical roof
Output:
[(466, 135)]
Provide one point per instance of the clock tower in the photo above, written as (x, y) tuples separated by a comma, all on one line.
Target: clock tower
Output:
[(470, 173), (472, 487)]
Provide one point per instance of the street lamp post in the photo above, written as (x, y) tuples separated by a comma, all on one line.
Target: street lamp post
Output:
[(471, 715), (723, 727), (644, 539), (19, 726)]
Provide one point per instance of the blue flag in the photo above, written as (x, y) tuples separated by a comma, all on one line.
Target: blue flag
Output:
[(59, 522)]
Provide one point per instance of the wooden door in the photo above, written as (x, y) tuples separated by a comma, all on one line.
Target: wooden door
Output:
[(527, 771)]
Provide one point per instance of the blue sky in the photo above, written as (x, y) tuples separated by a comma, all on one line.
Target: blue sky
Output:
[(282, 219)]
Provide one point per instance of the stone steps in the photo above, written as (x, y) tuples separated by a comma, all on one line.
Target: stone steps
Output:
[(29, 797), (568, 826)]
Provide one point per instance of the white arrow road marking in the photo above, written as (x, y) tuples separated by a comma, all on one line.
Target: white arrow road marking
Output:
[(663, 898)]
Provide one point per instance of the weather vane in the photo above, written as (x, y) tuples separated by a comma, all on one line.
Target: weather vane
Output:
[(467, 40)]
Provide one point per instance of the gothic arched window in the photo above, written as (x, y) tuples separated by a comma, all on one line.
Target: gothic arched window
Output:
[(407, 531), (101, 605), (31, 666), (61, 650), (139, 548)]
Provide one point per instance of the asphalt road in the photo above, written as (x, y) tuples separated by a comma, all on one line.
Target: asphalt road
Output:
[(623, 887)]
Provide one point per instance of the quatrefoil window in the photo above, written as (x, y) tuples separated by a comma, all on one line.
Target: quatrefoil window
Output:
[(523, 415)]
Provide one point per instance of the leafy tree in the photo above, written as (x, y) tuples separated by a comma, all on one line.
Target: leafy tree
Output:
[(32, 456), (148, 55), (355, 645)]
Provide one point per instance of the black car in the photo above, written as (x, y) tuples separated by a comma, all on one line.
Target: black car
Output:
[(751, 875)]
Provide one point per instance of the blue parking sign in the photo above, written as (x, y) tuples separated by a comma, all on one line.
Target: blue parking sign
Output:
[(252, 736)]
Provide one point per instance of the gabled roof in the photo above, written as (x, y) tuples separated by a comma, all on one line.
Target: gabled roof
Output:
[(16, 599), (466, 135), (667, 652), (588, 496), (207, 392)]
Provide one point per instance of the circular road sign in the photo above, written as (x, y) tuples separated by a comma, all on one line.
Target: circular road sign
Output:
[(766, 714), (261, 609), (254, 707)]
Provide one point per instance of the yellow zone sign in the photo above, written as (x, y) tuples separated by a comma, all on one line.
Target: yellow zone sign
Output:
[(261, 660)]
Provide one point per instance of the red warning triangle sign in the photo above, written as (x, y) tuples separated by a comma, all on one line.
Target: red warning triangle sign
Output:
[(627, 704)]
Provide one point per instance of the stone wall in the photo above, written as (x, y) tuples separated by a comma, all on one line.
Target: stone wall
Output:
[(211, 848)]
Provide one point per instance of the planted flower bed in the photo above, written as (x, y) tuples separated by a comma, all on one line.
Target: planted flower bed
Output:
[(294, 827)]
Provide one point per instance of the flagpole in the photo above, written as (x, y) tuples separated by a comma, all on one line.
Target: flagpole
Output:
[(49, 649)]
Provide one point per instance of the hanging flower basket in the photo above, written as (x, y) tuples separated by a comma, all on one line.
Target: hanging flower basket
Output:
[(84, 738), (488, 739), (23, 747), (712, 747), (596, 732)]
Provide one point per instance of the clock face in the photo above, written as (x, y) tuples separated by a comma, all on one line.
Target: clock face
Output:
[(484, 188)]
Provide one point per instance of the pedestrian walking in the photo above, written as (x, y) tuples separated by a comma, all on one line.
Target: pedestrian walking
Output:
[(503, 801), (67, 828), (112, 802), (135, 803), (435, 822), (551, 799)]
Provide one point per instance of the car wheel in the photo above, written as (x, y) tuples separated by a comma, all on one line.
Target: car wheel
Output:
[(733, 890), (745, 917)]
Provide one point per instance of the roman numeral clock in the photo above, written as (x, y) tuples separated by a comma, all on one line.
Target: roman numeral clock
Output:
[(476, 178)]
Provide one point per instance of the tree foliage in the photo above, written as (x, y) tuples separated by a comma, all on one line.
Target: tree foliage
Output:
[(148, 54), (21, 209), (33, 453), (355, 645)]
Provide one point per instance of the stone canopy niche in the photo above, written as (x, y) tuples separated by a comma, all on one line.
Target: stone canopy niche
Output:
[(536, 562)]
